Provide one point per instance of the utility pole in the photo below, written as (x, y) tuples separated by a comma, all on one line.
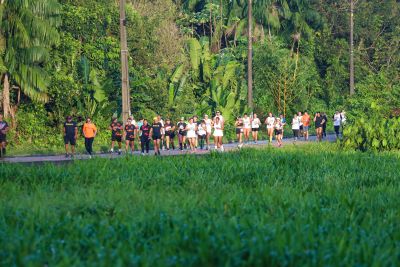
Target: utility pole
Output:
[(250, 57), (126, 107), (351, 47)]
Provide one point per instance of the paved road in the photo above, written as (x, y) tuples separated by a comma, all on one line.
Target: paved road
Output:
[(227, 147)]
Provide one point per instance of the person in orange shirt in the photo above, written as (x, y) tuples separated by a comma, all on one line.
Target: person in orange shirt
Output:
[(306, 124), (89, 132)]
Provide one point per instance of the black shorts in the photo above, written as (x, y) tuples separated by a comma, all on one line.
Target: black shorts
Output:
[(156, 137), (254, 129), (171, 135), (117, 138), (183, 133), (69, 140), (130, 138), (301, 127), (238, 130), (3, 138), (278, 132)]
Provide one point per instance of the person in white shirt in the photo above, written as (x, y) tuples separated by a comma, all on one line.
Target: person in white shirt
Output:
[(218, 133), (191, 129), (208, 123), (246, 127), (270, 122), (300, 118), (255, 126), (337, 121), (295, 127), (160, 120)]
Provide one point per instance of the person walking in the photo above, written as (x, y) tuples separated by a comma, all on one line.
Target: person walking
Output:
[(337, 121), (89, 132), (325, 118), (201, 133), (270, 122), (3, 136), (145, 137), (246, 127), (116, 134), (70, 132), (169, 128), (130, 134), (319, 121), (208, 130), (156, 135), (278, 131), (218, 134), (191, 129), (255, 126), (182, 133), (295, 127), (300, 116), (239, 131), (306, 121)]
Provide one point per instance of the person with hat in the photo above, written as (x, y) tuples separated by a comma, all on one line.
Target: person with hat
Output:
[(70, 135)]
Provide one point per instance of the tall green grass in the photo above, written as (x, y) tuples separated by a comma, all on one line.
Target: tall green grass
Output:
[(298, 206)]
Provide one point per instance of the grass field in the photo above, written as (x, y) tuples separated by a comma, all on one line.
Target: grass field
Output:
[(299, 206)]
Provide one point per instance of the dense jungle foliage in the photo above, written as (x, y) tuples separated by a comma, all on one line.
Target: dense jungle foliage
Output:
[(190, 57)]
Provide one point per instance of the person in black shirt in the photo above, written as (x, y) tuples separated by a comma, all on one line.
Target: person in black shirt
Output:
[(145, 136), (169, 133), (116, 134), (130, 134), (182, 133), (319, 121), (155, 133), (3, 136), (70, 135), (323, 115)]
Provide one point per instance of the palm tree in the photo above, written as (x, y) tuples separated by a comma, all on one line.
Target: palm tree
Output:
[(27, 32)]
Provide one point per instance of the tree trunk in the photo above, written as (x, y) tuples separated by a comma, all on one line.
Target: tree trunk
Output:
[(351, 47), (250, 57), (6, 96)]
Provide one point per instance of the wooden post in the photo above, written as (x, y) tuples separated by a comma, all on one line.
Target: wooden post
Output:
[(351, 47), (250, 57), (124, 65)]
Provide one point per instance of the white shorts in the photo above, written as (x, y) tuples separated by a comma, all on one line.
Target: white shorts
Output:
[(218, 133), (201, 132), (191, 134), (270, 126), (208, 128)]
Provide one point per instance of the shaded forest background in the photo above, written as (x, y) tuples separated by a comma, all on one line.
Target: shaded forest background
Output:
[(190, 57)]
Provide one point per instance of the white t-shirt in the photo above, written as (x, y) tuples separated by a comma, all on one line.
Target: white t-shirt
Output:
[(337, 120), (255, 123), (300, 118), (343, 117), (201, 130), (191, 130), (246, 123), (270, 122), (295, 124)]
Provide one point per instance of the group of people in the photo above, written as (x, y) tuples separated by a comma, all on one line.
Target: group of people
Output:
[(192, 134), (196, 133)]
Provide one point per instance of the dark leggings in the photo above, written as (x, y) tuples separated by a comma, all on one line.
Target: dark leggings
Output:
[(337, 128), (145, 142), (201, 140), (89, 145), (296, 133)]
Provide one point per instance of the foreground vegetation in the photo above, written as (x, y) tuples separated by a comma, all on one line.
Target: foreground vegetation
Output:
[(311, 205)]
